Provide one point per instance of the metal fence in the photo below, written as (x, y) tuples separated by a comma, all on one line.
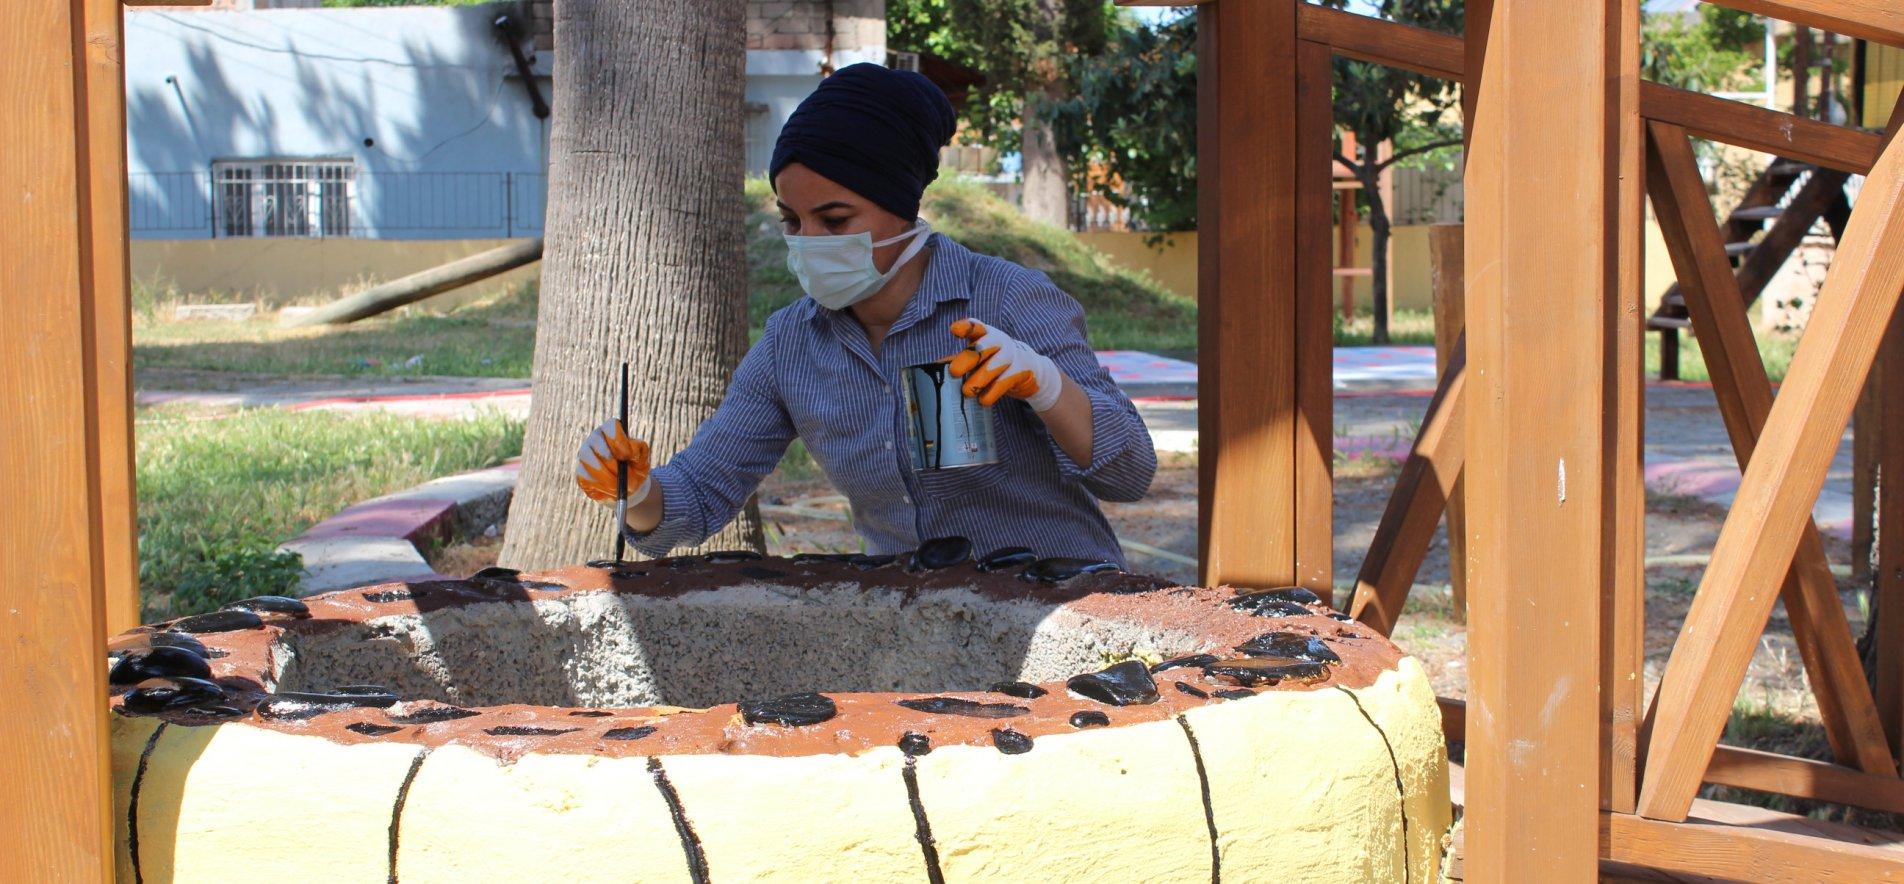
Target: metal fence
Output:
[(280, 200)]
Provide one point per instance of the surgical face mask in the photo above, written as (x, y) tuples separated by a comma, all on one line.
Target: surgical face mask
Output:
[(838, 270)]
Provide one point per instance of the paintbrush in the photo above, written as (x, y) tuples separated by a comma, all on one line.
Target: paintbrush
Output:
[(621, 479)]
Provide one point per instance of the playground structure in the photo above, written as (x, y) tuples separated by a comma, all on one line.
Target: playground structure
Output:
[(1568, 768)]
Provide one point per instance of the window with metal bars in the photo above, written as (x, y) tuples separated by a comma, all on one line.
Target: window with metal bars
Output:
[(284, 197)]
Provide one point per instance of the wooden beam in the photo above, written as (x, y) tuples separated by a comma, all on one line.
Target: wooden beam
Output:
[(1756, 128), (1880, 21), (1623, 550), (1361, 37), (104, 183), (1804, 778), (1445, 254), (1774, 500), (1736, 843), (52, 713), (1407, 527), (1888, 588), (1314, 464), (1744, 395), (1247, 320), (1540, 226)]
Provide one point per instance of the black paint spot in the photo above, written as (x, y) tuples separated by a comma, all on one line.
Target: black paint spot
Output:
[(1023, 690), (1055, 570), (386, 596), (1125, 684), (1192, 660), (1236, 694), (915, 743), (1291, 645), (218, 621), (506, 575), (1266, 670), (1338, 615), (730, 556), (690, 843), (793, 710), (1010, 741), (1089, 718), (159, 662), (432, 714), (527, 730), (1209, 812), (590, 713), (170, 694), (868, 563), (1401, 790), (396, 808), (371, 729), (604, 564), (804, 558), (1193, 690), (1009, 557), (967, 708), (132, 802), (628, 733), (922, 829), (941, 552), (271, 604), (626, 574)]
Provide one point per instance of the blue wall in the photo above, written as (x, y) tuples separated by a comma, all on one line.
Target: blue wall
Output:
[(455, 148)]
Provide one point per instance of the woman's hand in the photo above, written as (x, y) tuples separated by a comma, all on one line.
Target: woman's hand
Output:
[(995, 365), (596, 464)]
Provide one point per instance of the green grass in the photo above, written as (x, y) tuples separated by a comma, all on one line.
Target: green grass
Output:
[(492, 338), (1123, 309), (1764, 726), (218, 491), (1405, 327), (1774, 350)]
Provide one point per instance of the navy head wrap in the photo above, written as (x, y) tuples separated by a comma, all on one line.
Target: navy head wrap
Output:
[(874, 131)]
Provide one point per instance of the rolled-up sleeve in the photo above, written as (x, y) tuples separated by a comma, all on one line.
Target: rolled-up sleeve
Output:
[(1123, 460), (706, 483)]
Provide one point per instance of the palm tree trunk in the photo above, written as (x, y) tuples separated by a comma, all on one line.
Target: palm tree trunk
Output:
[(1046, 195), (644, 254)]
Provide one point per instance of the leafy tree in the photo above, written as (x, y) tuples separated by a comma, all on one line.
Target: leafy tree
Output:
[(1711, 52), (1132, 121), (1020, 47)]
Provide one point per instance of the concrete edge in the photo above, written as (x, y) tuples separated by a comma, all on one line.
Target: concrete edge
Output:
[(382, 539)]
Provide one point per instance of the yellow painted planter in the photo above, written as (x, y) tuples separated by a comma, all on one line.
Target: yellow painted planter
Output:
[(968, 726)]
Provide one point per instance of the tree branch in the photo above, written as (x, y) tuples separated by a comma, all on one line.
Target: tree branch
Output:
[(1416, 151)]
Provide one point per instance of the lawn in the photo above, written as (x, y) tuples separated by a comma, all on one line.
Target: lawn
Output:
[(219, 490)]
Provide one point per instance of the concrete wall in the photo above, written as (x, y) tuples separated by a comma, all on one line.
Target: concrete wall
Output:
[(283, 270), (397, 90)]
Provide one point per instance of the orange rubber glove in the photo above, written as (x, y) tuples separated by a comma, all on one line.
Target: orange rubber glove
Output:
[(595, 463), (995, 365)]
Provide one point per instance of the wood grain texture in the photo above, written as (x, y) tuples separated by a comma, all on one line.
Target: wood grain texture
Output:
[(1540, 227), (1743, 391), (1315, 321), (643, 259), (106, 244), (1888, 587), (1879, 20), (1407, 526), (1623, 599), (1773, 503), (54, 823), (1446, 260), (1805, 778), (1383, 42), (1737, 843), (1761, 129), (1247, 294)]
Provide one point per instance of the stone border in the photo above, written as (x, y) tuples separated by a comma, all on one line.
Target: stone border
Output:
[(381, 539)]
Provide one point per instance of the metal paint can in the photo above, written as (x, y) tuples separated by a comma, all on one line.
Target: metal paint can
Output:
[(947, 428)]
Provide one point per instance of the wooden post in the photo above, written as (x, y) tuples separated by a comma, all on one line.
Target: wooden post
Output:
[(1450, 280), (1314, 456), (58, 450), (1865, 429), (1888, 588), (1246, 292), (1540, 237)]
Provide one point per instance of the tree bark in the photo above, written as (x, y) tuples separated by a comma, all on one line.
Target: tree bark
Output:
[(1379, 231), (1046, 196), (644, 254)]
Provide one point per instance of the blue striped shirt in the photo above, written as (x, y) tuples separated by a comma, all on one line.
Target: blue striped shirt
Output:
[(815, 375)]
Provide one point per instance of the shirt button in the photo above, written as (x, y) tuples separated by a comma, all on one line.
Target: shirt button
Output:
[(889, 389), (906, 497), (888, 444)]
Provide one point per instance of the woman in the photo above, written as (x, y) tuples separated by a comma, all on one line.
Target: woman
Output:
[(885, 293)]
